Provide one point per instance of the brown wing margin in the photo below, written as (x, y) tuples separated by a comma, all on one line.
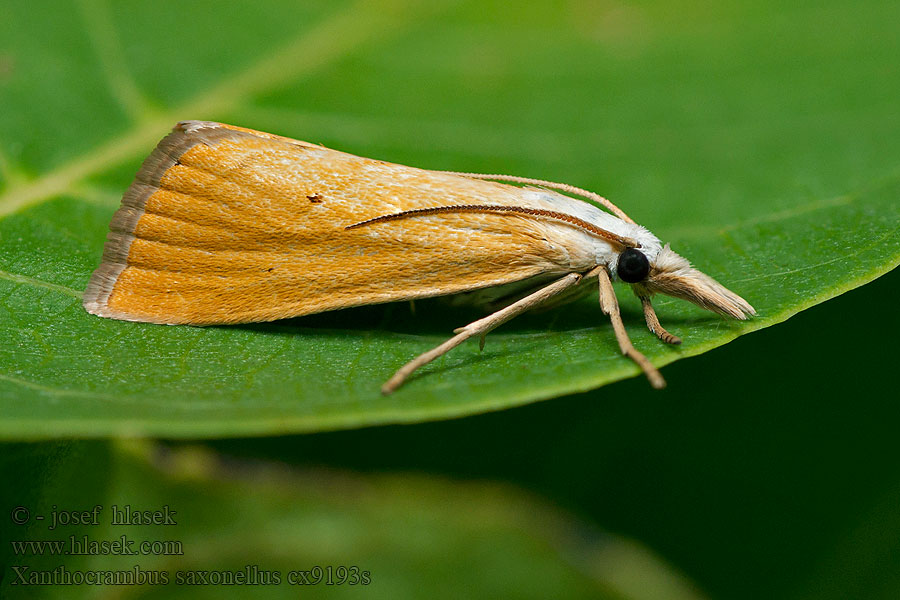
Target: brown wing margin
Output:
[(184, 136)]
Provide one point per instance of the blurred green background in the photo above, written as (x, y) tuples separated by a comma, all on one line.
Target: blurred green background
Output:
[(768, 468)]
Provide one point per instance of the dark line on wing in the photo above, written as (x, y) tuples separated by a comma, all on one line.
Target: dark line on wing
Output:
[(623, 241)]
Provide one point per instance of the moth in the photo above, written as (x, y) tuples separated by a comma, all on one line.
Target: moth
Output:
[(226, 225)]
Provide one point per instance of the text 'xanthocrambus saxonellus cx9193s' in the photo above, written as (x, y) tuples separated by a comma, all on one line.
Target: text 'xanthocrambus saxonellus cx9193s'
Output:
[(229, 225)]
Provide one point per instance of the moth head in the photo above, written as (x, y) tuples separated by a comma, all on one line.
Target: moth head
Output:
[(673, 275)]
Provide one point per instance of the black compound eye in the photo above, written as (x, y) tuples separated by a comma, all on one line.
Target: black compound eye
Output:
[(633, 266)]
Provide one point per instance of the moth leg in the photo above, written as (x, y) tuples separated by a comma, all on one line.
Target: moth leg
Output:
[(653, 322), (610, 306), (480, 328)]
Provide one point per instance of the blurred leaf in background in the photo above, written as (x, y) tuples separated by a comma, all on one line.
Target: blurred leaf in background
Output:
[(762, 140), (398, 536)]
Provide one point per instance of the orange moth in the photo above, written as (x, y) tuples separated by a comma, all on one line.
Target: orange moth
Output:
[(228, 225)]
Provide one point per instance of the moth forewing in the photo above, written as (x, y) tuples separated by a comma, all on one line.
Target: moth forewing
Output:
[(228, 225), (224, 225)]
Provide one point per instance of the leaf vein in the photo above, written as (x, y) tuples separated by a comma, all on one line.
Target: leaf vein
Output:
[(312, 50), (25, 280)]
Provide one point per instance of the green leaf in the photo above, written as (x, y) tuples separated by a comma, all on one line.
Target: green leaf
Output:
[(765, 150), (399, 532)]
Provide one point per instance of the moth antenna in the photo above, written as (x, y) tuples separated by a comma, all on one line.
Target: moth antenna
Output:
[(562, 187), (625, 242)]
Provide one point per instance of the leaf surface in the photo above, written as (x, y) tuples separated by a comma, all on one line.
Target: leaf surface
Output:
[(766, 152)]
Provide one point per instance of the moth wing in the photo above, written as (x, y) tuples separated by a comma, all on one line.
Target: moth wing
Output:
[(229, 225)]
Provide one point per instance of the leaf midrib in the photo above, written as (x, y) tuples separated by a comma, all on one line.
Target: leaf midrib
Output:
[(325, 43)]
